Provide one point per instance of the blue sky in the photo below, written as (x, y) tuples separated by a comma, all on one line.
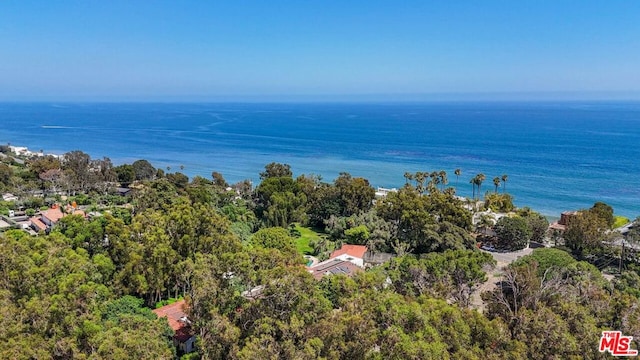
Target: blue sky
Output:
[(235, 50)]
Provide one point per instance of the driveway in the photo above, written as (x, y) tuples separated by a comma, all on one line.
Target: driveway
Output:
[(506, 258), (4, 224)]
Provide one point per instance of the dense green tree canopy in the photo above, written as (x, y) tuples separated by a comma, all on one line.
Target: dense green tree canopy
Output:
[(126, 174), (421, 222), (75, 165), (275, 170), (356, 195), (603, 211), (275, 238), (143, 170), (512, 233), (449, 275), (6, 173), (537, 223), (85, 290), (499, 202), (547, 258), (585, 232)]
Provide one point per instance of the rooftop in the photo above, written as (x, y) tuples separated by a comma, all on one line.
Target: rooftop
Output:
[(177, 319), (38, 223), (356, 251), (333, 267), (54, 214)]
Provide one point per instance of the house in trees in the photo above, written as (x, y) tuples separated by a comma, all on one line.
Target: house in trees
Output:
[(351, 253), (565, 217), (383, 192), (557, 228), (37, 224), (333, 267), (47, 219), (184, 337), (561, 225), (347, 260), (51, 216)]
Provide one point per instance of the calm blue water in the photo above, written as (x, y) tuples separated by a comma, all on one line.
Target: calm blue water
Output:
[(558, 156)]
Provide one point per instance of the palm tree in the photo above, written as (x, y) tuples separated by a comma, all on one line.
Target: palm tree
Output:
[(457, 172), (443, 178), (473, 182), (496, 183), (485, 222), (420, 177), (408, 177), (481, 177), (435, 179), (504, 182)]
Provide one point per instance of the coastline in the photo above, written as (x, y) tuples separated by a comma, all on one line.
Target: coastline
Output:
[(24, 151), (558, 157)]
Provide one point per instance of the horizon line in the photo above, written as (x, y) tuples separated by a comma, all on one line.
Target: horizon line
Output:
[(531, 96)]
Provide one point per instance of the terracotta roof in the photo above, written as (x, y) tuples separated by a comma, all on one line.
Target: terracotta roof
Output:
[(38, 223), (175, 315), (173, 312), (53, 215), (356, 251), (334, 267)]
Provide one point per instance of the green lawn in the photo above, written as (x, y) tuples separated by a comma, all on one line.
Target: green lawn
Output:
[(306, 235), (620, 220)]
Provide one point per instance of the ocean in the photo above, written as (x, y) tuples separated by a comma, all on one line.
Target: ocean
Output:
[(558, 156)]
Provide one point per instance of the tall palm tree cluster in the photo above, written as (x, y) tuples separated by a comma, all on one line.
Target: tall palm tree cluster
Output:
[(436, 179), (439, 178), (477, 181)]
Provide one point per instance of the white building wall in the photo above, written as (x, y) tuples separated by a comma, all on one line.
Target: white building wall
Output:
[(351, 259)]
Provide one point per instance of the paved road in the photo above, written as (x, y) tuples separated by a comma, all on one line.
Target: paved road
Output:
[(506, 258), (4, 224)]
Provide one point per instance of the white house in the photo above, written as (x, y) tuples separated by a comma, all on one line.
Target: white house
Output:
[(351, 253)]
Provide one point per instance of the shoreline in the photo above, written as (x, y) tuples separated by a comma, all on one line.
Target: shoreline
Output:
[(24, 151), (553, 166)]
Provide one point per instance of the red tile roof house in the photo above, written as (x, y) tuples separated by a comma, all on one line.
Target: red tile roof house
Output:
[(351, 253), (51, 216), (184, 338), (37, 224), (47, 218)]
